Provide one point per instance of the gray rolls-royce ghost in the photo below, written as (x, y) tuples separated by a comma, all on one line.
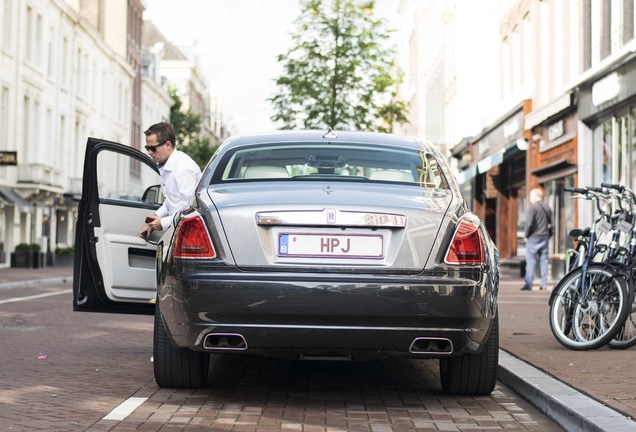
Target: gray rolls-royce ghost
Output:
[(301, 245)]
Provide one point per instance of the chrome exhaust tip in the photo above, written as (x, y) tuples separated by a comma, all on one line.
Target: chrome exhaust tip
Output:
[(225, 341), (431, 345)]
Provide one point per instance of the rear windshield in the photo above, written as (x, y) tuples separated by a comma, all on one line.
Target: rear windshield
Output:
[(347, 162)]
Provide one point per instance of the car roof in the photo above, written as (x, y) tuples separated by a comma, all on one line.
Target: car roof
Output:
[(312, 136)]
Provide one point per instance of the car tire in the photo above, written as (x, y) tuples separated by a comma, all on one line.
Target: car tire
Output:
[(177, 367), (473, 374)]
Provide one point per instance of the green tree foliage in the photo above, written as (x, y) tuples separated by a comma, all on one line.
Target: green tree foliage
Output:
[(340, 72), (187, 128)]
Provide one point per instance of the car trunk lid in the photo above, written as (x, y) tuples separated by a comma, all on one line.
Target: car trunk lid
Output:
[(333, 226)]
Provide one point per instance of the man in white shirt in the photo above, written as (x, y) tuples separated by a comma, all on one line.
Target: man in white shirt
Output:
[(179, 176)]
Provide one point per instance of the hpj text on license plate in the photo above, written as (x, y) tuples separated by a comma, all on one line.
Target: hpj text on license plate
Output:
[(331, 245)]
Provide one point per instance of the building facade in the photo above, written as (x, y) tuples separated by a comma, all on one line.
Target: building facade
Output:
[(177, 66), (499, 178), (60, 82), (564, 87), (69, 70), (447, 93)]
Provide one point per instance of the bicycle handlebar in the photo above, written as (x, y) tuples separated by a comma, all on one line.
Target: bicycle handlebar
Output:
[(618, 187), (575, 190)]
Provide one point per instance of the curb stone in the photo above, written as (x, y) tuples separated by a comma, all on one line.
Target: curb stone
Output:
[(566, 406), (22, 283)]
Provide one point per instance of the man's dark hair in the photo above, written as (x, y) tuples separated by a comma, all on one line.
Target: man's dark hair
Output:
[(163, 131)]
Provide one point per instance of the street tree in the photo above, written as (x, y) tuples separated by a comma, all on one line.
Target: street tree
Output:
[(340, 72), (187, 129)]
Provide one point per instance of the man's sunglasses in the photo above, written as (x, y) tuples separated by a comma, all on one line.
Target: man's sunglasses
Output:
[(154, 147)]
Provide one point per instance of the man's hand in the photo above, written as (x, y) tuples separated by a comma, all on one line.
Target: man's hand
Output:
[(153, 223)]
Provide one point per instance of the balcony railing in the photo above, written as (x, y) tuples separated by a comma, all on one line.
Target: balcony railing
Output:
[(39, 174)]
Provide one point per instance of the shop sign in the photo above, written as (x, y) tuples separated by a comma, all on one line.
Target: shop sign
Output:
[(605, 89), (556, 130), (8, 158)]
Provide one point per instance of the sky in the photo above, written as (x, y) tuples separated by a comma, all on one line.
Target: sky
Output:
[(237, 42)]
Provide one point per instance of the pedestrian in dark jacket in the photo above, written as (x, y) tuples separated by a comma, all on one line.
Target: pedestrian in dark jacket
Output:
[(537, 233)]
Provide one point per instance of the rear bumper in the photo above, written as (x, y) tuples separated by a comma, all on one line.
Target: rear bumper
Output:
[(333, 315)]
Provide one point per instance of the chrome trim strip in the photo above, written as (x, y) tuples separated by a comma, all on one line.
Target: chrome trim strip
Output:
[(319, 327), (331, 217)]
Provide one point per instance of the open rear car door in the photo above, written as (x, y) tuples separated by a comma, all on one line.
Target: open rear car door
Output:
[(114, 268)]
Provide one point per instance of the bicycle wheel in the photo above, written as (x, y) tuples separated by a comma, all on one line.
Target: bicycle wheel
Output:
[(626, 336), (587, 323)]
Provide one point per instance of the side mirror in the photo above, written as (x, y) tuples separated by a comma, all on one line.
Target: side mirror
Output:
[(153, 195)]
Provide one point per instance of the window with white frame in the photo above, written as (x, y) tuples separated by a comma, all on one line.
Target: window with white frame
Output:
[(544, 51), (606, 28), (558, 47), (29, 34), (26, 127), (37, 50), (527, 50), (62, 144), (79, 80), (505, 73), (573, 44), (64, 62), (611, 26), (616, 15), (627, 19), (46, 148), (50, 68), (4, 121), (6, 24), (516, 66), (35, 133)]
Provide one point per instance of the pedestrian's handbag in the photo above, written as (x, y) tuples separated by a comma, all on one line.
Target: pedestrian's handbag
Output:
[(547, 217)]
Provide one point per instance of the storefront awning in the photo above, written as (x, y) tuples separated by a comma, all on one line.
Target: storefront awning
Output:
[(558, 169), (498, 157), (489, 161), (539, 115), (11, 197)]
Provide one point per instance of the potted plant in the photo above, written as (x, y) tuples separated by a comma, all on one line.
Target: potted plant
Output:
[(38, 258), (64, 256), (22, 257)]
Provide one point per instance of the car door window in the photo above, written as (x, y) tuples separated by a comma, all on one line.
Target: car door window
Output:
[(120, 178)]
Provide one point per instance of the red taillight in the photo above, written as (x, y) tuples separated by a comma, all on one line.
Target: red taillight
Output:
[(192, 240), (467, 246)]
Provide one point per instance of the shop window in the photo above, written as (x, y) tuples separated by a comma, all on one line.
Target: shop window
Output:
[(521, 222), (623, 172), (606, 152), (632, 144)]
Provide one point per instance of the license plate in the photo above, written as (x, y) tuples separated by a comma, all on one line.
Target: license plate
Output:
[(331, 245)]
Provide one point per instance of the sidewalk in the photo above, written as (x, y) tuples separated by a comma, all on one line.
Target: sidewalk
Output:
[(15, 277), (528, 347), (605, 374)]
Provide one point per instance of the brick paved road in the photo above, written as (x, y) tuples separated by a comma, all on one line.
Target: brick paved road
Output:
[(97, 361)]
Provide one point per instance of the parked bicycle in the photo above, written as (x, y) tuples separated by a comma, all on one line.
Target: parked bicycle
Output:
[(589, 306), (626, 261)]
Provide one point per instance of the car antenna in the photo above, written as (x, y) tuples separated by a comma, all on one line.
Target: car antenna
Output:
[(330, 134)]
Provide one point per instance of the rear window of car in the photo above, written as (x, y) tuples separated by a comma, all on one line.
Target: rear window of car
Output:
[(347, 162)]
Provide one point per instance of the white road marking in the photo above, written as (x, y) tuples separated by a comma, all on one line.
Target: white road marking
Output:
[(17, 299), (125, 408)]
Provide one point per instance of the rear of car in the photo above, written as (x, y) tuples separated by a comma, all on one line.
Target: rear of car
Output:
[(308, 245)]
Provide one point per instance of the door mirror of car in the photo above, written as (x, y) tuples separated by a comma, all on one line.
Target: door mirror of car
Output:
[(153, 195)]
